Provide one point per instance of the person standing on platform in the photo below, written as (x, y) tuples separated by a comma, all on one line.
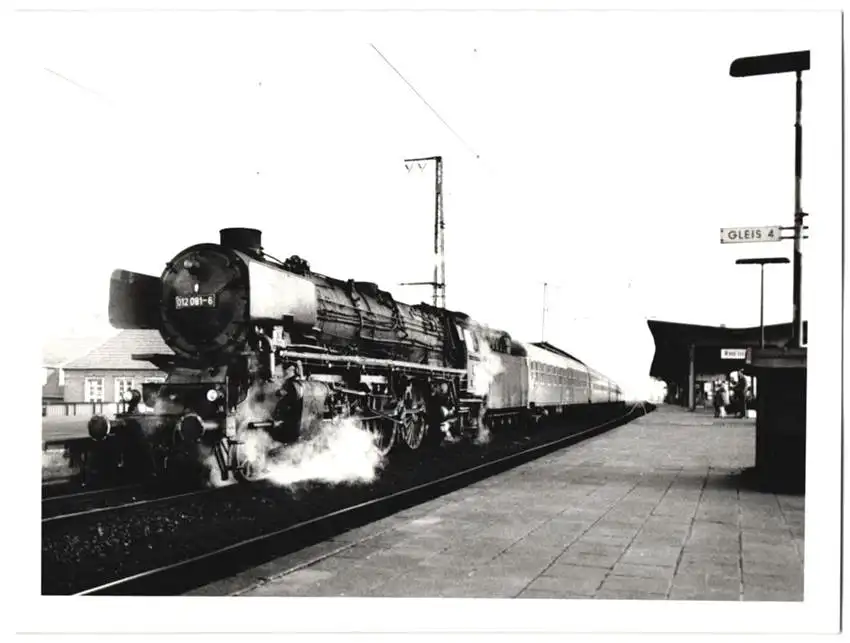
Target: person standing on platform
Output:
[(717, 399), (741, 395), (724, 398)]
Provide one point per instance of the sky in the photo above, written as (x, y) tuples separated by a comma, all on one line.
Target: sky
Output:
[(600, 152)]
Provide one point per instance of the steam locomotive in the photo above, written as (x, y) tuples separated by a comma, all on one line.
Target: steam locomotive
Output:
[(262, 345)]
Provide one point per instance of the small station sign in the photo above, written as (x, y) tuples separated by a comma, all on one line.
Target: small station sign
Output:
[(751, 235)]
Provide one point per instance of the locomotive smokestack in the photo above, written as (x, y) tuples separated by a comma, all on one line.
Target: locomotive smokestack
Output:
[(245, 239)]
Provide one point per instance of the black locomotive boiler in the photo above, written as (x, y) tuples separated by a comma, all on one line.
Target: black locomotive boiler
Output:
[(261, 345)]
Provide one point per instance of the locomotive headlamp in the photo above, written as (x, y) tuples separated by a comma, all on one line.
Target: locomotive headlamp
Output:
[(99, 427), (191, 427), (212, 395), (191, 265), (132, 399)]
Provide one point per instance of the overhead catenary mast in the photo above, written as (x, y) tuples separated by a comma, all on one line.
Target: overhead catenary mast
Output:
[(543, 323), (439, 280)]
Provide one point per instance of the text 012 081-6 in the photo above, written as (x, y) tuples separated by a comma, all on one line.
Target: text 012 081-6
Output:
[(194, 301)]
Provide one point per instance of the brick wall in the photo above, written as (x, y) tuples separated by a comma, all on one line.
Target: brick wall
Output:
[(75, 382)]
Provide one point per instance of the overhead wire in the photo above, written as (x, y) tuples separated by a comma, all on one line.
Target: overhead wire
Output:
[(487, 167), (78, 85), (427, 104)]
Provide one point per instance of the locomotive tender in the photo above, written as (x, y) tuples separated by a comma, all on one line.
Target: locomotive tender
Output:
[(264, 345)]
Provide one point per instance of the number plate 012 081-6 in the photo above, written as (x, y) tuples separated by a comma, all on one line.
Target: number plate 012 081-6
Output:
[(194, 301)]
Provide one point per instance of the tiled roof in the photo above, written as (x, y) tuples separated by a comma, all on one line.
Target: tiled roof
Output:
[(57, 351), (116, 352)]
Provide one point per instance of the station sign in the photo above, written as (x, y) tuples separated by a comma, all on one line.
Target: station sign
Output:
[(751, 235), (733, 353)]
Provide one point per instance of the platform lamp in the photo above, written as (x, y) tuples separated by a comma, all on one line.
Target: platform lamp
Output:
[(761, 261), (797, 62)]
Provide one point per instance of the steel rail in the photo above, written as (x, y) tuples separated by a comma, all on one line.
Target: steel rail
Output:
[(90, 492), (135, 503), (183, 576)]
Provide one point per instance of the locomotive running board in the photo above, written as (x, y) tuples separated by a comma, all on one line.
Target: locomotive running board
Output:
[(356, 360)]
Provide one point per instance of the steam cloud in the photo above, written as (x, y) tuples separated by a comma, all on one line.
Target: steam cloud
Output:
[(483, 374), (339, 452), (483, 436), (486, 370)]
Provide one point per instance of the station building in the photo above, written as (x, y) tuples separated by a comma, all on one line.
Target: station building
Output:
[(56, 354), (98, 378)]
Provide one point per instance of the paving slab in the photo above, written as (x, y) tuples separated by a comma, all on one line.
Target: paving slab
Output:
[(652, 510)]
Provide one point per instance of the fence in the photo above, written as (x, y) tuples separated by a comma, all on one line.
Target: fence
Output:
[(80, 409)]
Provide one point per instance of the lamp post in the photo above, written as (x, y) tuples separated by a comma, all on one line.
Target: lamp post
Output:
[(761, 261), (797, 62)]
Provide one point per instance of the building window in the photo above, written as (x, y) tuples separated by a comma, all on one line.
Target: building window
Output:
[(122, 385), (94, 389)]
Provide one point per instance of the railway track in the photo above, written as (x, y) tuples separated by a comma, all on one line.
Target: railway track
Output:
[(89, 493), (77, 505), (197, 571)]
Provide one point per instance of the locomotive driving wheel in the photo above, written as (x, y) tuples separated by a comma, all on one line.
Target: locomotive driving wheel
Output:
[(414, 424), (384, 432), (414, 428), (379, 424)]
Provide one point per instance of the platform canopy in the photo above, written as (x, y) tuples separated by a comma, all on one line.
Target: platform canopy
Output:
[(673, 342)]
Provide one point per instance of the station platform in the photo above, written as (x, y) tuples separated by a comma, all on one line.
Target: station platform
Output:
[(63, 442), (655, 509), (54, 429)]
